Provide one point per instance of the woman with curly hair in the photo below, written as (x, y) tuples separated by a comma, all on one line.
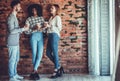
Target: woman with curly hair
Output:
[(35, 22)]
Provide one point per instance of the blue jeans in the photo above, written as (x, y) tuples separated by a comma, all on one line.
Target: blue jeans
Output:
[(36, 42), (14, 56), (52, 49)]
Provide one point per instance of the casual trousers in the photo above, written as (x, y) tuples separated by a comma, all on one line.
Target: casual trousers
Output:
[(36, 42), (14, 56), (52, 49)]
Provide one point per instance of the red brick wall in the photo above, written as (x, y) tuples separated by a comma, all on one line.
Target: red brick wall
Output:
[(73, 44)]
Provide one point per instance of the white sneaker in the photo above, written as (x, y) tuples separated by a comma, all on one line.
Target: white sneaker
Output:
[(13, 79), (18, 77)]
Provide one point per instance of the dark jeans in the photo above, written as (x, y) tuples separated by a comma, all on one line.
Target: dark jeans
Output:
[(52, 49)]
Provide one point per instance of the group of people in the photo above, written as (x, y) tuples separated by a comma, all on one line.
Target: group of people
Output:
[(35, 25)]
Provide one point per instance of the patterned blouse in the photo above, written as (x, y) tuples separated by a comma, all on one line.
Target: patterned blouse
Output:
[(32, 21)]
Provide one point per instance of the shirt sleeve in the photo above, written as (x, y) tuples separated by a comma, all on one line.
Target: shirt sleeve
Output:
[(11, 26), (59, 23), (28, 31), (27, 21)]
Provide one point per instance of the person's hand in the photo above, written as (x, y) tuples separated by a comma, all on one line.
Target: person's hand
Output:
[(46, 25), (38, 26), (35, 28), (26, 27)]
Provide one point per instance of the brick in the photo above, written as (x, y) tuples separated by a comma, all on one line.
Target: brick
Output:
[(72, 46)]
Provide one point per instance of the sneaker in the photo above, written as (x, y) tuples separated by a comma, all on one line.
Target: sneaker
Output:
[(18, 77), (13, 79)]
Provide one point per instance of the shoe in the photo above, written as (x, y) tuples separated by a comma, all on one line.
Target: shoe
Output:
[(32, 76), (18, 77), (36, 76), (61, 71), (56, 74), (14, 79)]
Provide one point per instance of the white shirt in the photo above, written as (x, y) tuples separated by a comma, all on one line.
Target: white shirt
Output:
[(55, 25)]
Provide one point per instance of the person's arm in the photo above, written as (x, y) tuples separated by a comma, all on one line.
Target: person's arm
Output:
[(42, 22), (43, 27), (59, 23), (11, 27), (28, 24)]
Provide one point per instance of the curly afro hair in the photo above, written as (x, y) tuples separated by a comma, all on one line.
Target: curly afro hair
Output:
[(37, 7)]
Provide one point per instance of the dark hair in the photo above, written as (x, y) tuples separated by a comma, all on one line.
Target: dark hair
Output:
[(37, 7), (14, 3), (56, 7)]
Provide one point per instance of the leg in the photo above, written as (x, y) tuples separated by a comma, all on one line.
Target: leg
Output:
[(17, 59), (49, 50), (12, 60), (33, 43), (39, 52), (54, 45)]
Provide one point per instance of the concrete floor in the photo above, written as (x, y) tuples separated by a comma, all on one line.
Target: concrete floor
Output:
[(117, 76), (66, 77)]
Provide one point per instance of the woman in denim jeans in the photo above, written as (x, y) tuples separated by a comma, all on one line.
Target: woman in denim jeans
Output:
[(54, 27), (35, 22)]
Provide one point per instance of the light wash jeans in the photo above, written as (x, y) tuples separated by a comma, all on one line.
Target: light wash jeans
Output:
[(14, 56), (52, 49), (36, 42)]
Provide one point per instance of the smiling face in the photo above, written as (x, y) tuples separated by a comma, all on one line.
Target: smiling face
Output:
[(34, 11), (53, 10), (18, 7)]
